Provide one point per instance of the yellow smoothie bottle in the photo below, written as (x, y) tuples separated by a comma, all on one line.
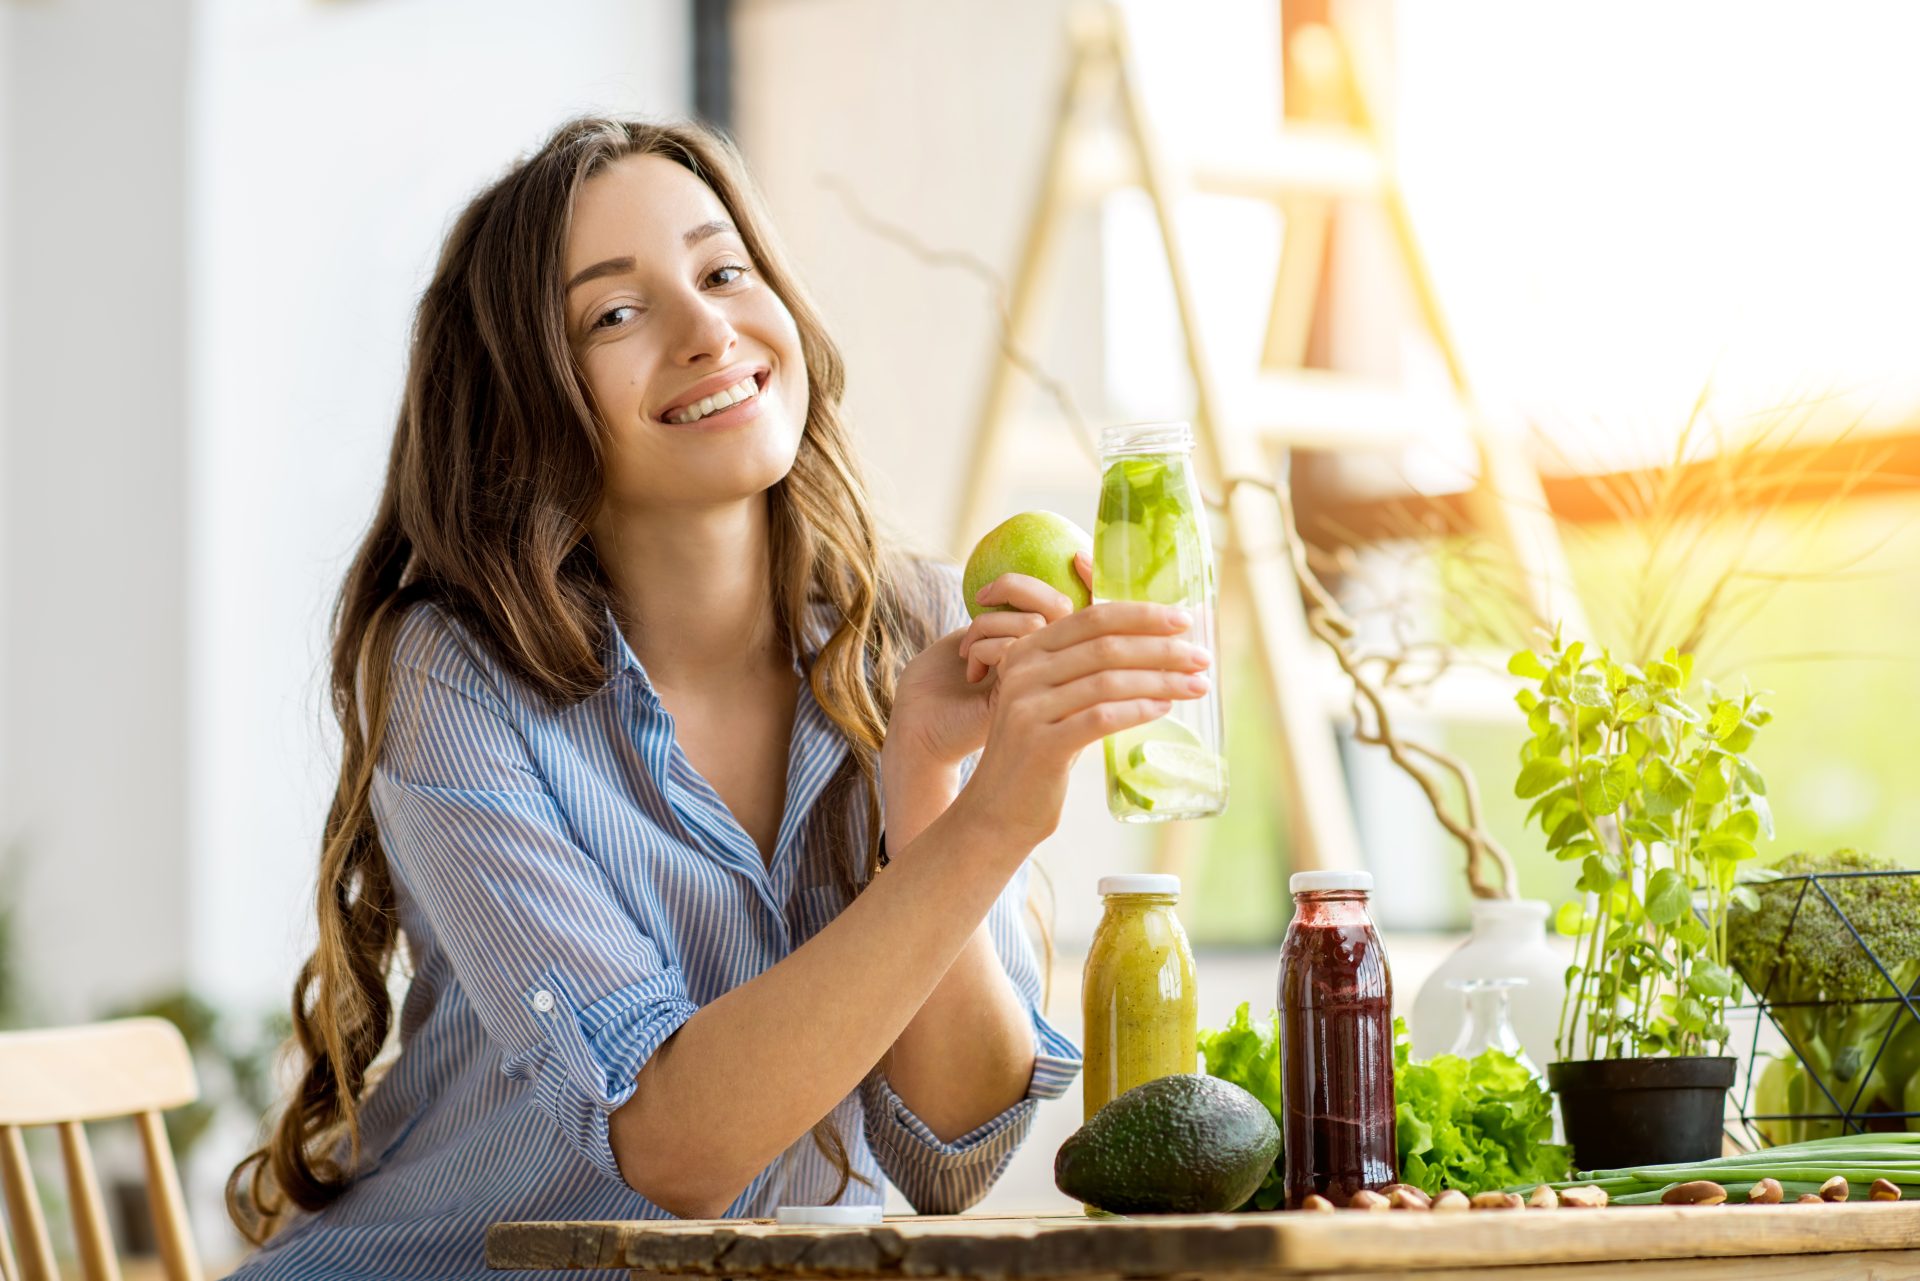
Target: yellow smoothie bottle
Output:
[(1138, 993)]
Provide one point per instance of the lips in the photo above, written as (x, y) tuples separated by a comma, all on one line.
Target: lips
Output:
[(713, 386)]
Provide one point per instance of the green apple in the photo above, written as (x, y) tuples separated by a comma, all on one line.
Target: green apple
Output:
[(1039, 544)]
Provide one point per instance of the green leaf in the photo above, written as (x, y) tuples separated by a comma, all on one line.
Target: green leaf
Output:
[(1590, 690), (1527, 663), (1540, 719), (1527, 699), (1679, 711), (1605, 789), (1539, 776), (1709, 981), (1595, 878), (1664, 674), (1691, 930), (1725, 716), (1668, 895), (1710, 788), (1750, 777), (1569, 827), (1764, 812), (1636, 703), (1743, 824), (1731, 849), (1571, 920), (1576, 849)]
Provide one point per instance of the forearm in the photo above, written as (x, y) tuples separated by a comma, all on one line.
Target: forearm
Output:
[(754, 1070), (967, 1056)]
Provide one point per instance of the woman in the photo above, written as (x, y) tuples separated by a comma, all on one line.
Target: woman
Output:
[(635, 708)]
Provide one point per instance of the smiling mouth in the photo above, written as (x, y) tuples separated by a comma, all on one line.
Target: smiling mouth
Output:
[(746, 389)]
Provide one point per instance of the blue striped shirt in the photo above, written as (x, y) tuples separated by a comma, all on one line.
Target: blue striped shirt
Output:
[(572, 891)]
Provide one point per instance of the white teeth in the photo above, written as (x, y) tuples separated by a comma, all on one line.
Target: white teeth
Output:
[(742, 390)]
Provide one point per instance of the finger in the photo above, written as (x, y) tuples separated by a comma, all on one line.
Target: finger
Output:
[(1087, 727), (999, 623), (1025, 592), (1115, 616), (1083, 566), (987, 655), (1121, 650), (1063, 701)]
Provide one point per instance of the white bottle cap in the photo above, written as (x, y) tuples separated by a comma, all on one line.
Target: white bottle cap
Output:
[(1320, 882), (828, 1215), (1142, 883)]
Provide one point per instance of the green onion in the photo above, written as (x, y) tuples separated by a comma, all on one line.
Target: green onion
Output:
[(1799, 1167)]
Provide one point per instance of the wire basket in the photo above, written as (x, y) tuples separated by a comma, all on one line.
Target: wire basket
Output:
[(1848, 1093)]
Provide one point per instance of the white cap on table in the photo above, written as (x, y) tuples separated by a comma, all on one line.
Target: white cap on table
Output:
[(828, 1215), (1139, 883), (1320, 882)]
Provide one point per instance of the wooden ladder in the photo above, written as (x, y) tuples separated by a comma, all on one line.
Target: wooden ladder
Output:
[(1245, 425)]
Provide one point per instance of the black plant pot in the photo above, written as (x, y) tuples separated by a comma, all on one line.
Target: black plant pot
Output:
[(1623, 1112)]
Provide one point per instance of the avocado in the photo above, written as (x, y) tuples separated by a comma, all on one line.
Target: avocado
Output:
[(1187, 1144)]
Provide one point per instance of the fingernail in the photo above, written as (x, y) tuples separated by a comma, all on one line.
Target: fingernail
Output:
[(1199, 655), (1179, 618), (1198, 683), (981, 595)]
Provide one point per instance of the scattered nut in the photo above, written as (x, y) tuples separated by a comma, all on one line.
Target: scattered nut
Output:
[(1544, 1198), (1404, 1196), (1497, 1201), (1884, 1190), (1765, 1192), (1585, 1197), (1806, 1197), (1698, 1192), (1367, 1199), (1450, 1200), (1834, 1189), (1314, 1201)]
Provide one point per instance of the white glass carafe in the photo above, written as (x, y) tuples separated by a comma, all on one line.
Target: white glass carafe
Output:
[(1509, 940)]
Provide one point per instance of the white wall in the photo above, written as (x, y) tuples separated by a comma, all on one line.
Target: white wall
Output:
[(216, 217), (333, 145), (95, 504)]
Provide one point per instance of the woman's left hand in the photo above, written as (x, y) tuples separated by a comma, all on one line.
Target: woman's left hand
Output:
[(940, 706)]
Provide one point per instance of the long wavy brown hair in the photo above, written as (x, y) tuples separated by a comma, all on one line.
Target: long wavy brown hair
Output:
[(494, 477)]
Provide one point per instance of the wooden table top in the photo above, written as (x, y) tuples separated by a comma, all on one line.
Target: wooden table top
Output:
[(1864, 1239)]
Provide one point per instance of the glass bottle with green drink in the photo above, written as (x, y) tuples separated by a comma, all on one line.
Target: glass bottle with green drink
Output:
[(1138, 992), (1150, 543)]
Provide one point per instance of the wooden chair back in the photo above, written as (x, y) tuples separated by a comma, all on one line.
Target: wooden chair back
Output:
[(64, 1078)]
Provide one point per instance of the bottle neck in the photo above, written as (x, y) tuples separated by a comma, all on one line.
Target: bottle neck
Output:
[(1139, 900), (1331, 908), (1145, 438), (1509, 920)]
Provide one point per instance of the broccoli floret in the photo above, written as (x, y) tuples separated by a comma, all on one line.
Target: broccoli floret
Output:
[(1819, 960)]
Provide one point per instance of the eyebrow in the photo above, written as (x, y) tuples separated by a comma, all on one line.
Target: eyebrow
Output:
[(613, 266)]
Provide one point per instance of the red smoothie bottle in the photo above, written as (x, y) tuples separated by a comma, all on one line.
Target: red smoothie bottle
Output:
[(1336, 1030)]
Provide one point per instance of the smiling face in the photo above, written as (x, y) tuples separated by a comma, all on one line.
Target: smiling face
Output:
[(692, 362)]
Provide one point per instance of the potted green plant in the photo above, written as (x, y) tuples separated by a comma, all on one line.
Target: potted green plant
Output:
[(1658, 804)]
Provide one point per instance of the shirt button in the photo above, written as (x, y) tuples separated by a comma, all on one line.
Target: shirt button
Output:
[(543, 1000)]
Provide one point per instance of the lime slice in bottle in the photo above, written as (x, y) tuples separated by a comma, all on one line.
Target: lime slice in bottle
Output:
[(1162, 764)]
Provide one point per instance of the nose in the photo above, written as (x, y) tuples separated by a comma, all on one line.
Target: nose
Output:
[(703, 332)]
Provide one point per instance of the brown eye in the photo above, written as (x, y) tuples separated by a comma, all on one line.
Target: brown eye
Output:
[(738, 273), (606, 316)]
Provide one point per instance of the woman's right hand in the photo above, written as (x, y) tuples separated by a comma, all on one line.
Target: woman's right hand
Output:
[(1060, 689)]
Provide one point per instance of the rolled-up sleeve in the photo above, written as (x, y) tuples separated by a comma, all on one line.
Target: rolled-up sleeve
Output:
[(939, 1177), (565, 980)]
